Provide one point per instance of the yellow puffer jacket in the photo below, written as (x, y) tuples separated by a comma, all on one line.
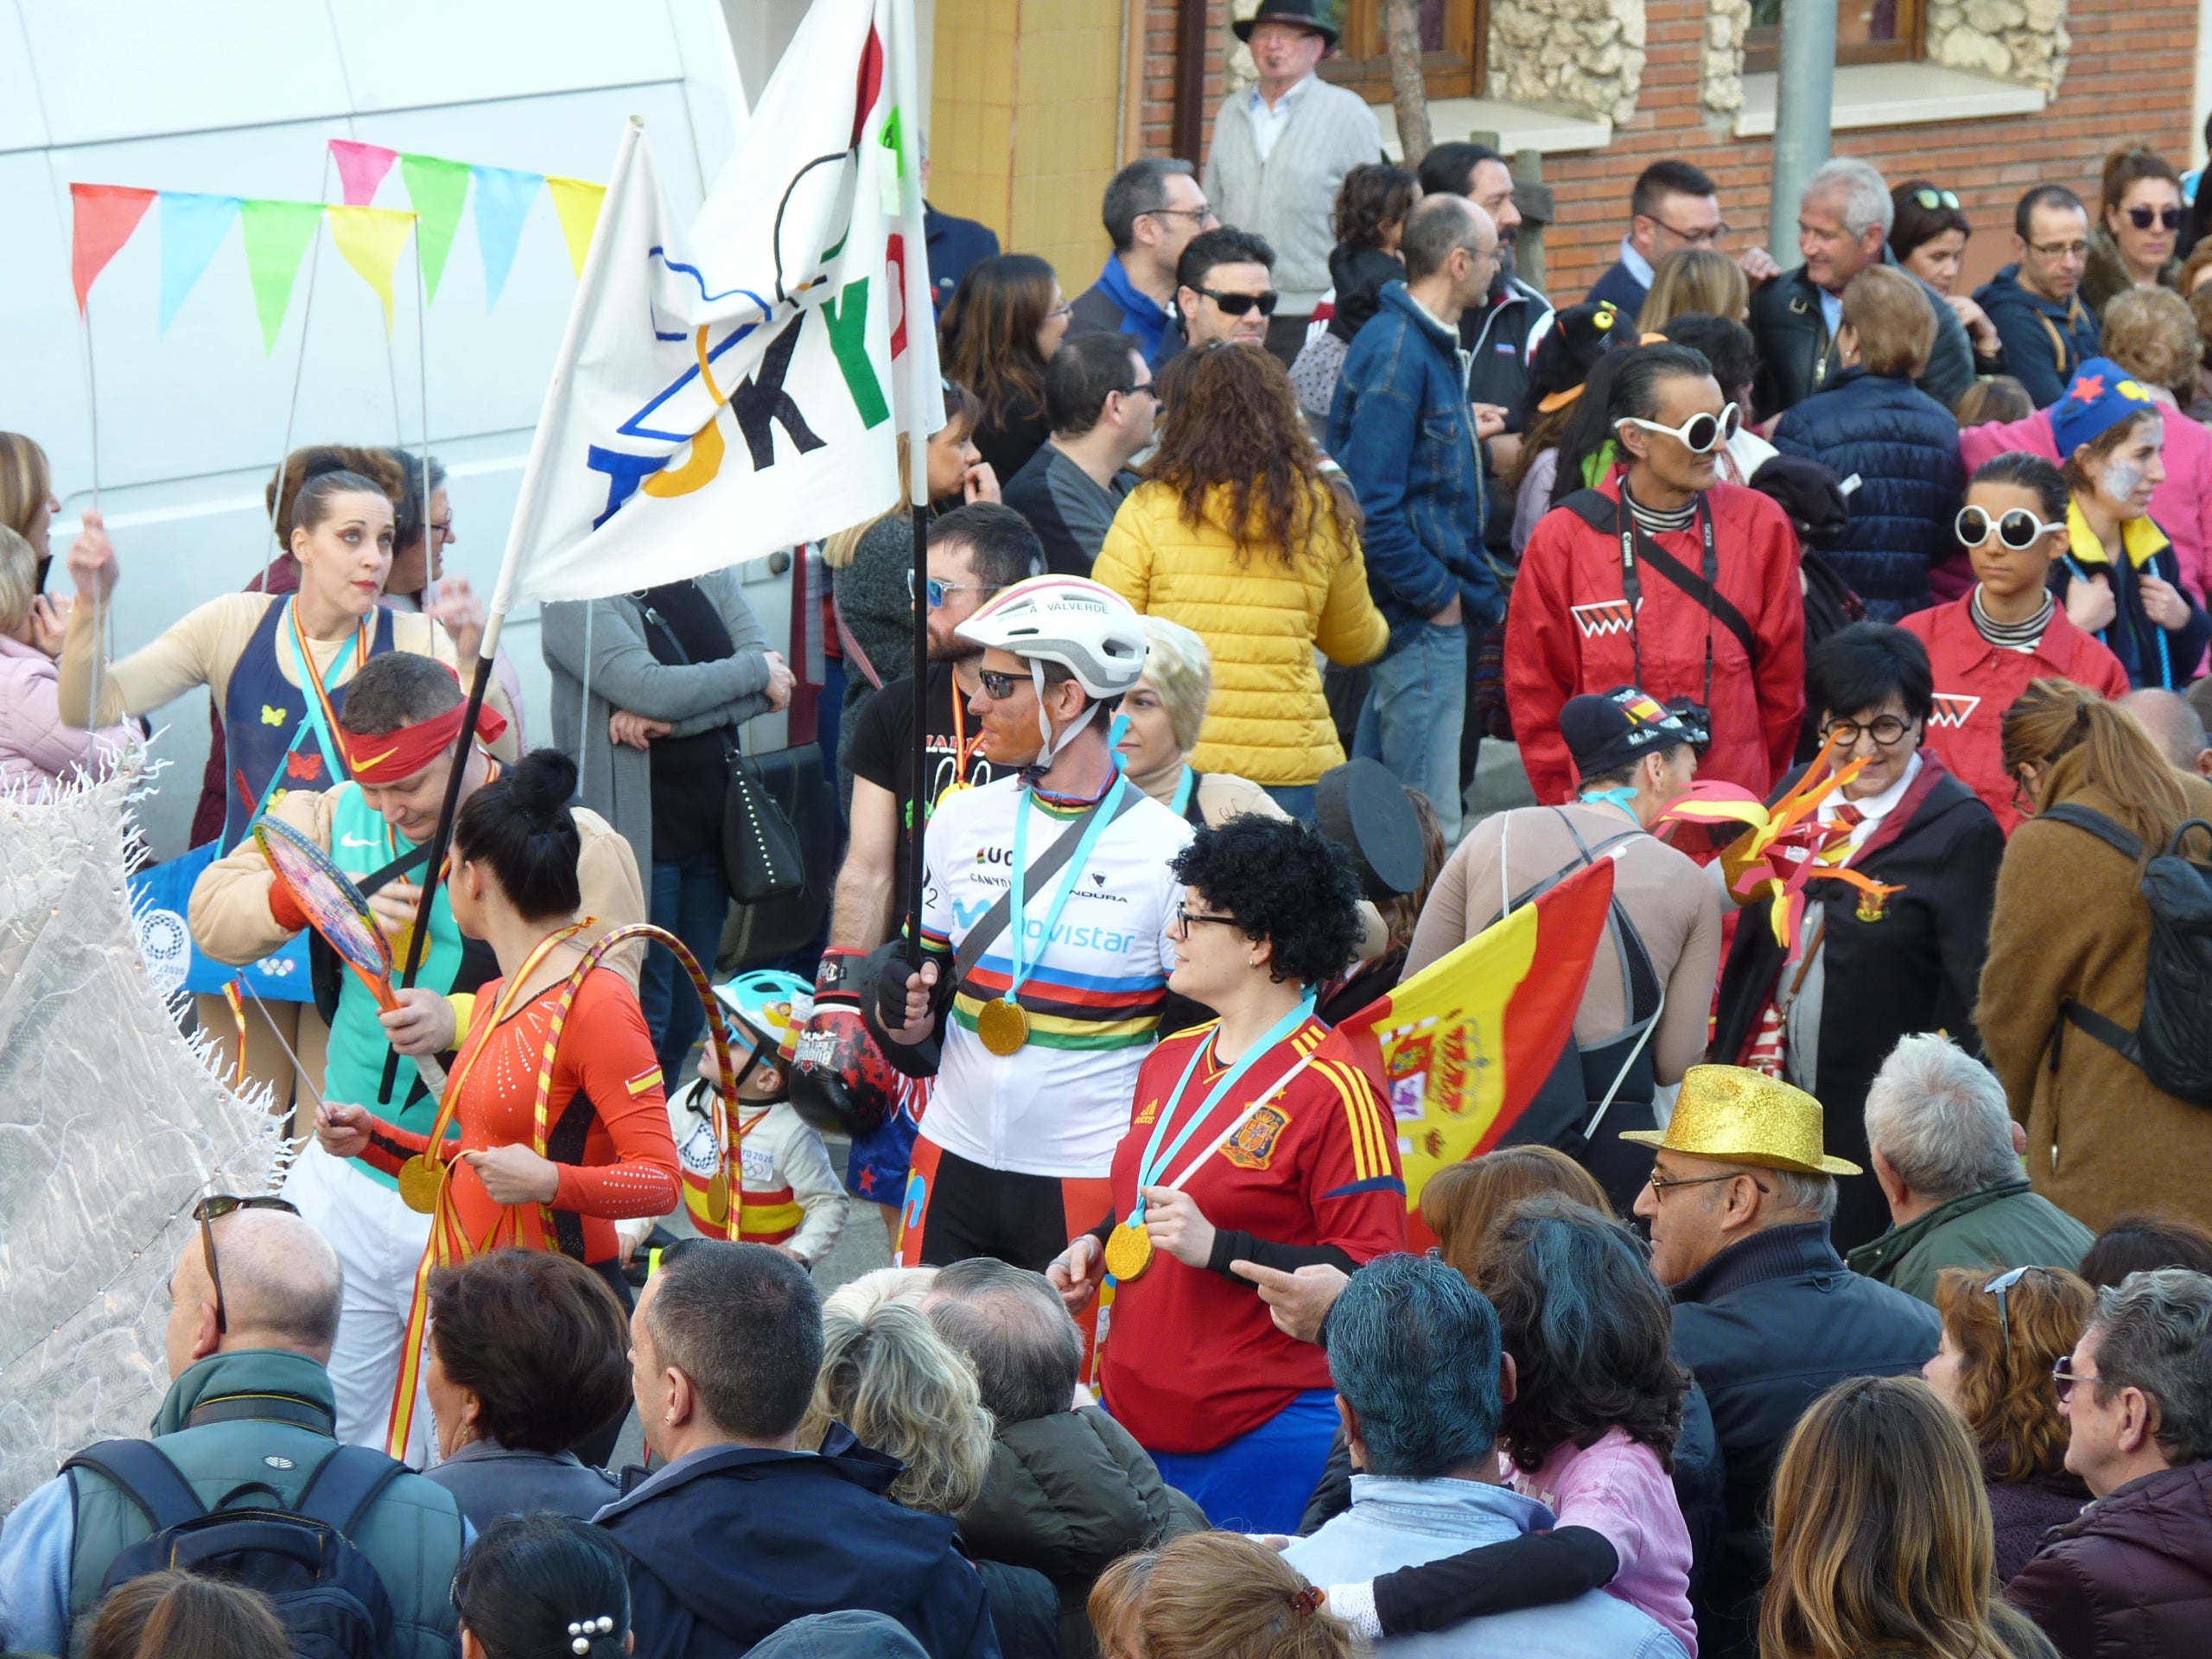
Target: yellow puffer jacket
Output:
[(1260, 618)]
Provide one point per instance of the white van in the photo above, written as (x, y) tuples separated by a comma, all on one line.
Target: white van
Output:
[(238, 98)]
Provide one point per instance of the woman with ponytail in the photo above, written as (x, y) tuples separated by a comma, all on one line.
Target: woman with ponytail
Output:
[(546, 1167), (543, 1586), (2071, 934)]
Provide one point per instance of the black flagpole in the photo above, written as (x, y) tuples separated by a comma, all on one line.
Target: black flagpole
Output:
[(917, 812), (441, 839)]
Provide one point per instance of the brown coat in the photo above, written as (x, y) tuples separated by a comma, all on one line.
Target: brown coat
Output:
[(2070, 923)]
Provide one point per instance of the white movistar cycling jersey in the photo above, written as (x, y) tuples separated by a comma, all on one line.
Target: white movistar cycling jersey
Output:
[(1093, 991)]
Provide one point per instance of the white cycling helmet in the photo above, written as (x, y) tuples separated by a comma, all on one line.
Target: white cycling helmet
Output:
[(1084, 625)]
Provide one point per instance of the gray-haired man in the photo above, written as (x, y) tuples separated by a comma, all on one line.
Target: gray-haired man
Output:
[(2134, 1574), (1843, 226), (1945, 1153)]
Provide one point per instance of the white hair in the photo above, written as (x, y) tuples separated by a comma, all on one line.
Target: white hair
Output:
[(1938, 1117), (1179, 668), (1864, 193), (860, 1297), (1810, 1194)]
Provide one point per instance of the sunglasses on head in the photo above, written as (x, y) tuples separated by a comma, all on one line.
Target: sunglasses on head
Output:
[(1235, 305), (2143, 218), (211, 1210), (2018, 529), (1702, 433), (1931, 200), (1998, 1288)]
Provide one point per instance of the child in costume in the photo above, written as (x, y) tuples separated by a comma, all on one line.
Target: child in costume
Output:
[(790, 1197)]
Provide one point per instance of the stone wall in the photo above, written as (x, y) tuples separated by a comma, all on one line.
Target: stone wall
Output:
[(1581, 57), (1720, 58), (2024, 42)]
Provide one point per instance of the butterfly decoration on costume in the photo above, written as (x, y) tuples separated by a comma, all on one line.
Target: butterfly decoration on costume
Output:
[(306, 768), (274, 717), (1788, 845)]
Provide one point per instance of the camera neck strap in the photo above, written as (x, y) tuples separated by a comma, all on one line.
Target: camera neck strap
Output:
[(1638, 550)]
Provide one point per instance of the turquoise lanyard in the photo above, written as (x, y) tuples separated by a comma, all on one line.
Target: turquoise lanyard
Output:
[(1190, 781), (1018, 934), (1151, 1167)]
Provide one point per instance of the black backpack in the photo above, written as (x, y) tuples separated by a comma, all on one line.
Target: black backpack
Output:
[(2173, 1045), (329, 1598)]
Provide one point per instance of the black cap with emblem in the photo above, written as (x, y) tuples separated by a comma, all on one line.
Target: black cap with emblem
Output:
[(1364, 808)]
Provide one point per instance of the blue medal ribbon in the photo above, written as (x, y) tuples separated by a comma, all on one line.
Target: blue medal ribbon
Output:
[(1183, 788), (1153, 1164), (1018, 934)]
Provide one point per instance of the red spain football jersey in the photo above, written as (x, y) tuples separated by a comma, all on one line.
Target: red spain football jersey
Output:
[(1192, 1358)]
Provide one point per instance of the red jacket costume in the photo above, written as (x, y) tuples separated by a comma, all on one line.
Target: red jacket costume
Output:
[(1977, 682), (1569, 630)]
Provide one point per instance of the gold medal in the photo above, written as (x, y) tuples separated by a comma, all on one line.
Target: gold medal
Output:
[(1003, 1025), (1128, 1251), (718, 1196), (420, 1181)]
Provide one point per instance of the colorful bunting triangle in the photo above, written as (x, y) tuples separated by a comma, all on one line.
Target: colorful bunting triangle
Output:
[(371, 238), (438, 189), (577, 202), (193, 227), (361, 168), (503, 200), (277, 236), (105, 216)]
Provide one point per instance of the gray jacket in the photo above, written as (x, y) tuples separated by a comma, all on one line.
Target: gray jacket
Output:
[(616, 781), (1288, 199)]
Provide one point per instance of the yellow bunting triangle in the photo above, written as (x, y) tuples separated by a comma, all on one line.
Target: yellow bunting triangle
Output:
[(577, 202), (371, 238)]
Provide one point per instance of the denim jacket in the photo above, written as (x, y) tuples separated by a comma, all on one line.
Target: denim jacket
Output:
[(1394, 1523), (1400, 427)]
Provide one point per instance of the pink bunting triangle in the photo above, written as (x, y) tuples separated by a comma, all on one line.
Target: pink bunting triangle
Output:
[(361, 168), (104, 217)]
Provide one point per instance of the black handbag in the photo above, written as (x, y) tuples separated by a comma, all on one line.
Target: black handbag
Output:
[(761, 855)]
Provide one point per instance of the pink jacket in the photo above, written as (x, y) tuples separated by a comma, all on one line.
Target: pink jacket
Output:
[(2183, 505), (36, 747), (1615, 1486)]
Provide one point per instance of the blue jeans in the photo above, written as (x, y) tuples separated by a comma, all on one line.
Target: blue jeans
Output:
[(691, 899), (1297, 799), (1417, 702)]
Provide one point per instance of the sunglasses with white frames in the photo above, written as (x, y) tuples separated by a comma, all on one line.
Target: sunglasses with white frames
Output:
[(1702, 433), (2019, 529)]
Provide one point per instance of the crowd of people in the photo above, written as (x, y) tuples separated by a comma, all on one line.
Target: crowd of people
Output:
[(1845, 1288)]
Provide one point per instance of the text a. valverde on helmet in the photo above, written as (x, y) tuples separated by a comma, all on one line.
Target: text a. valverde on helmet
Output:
[(1084, 625)]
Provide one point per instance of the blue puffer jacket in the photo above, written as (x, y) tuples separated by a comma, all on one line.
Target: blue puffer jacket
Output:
[(1904, 447), (1401, 431)]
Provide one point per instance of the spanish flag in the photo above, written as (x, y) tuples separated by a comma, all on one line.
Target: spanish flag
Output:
[(1461, 1048)]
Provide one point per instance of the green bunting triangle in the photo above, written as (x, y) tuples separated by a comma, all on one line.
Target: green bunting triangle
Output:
[(438, 189), (276, 237)]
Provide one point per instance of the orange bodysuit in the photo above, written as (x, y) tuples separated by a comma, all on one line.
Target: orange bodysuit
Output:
[(607, 1120)]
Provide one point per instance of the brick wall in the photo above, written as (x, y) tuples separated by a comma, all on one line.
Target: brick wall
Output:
[(2130, 81)]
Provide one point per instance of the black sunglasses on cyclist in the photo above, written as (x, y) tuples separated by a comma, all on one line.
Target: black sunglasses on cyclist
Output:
[(2018, 529), (1235, 305), (2143, 218), (207, 1212), (1702, 433), (1931, 200), (999, 687)]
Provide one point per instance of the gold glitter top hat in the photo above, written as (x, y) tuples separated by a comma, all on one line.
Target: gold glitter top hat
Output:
[(1737, 1116)]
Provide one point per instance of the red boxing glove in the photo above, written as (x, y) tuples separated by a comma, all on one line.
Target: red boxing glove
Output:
[(283, 909)]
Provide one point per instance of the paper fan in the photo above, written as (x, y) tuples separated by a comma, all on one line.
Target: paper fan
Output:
[(335, 907)]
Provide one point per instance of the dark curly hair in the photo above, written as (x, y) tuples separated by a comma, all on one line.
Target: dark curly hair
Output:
[(1373, 196), (1588, 1328), (538, 1339), (1284, 882)]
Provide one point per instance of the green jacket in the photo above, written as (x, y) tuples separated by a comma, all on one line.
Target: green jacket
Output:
[(413, 1534), (2000, 1227)]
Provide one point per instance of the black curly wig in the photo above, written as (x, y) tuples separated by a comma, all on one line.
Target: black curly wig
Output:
[(1285, 883)]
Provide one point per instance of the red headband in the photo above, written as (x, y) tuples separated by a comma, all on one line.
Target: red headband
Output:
[(393, 757)]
